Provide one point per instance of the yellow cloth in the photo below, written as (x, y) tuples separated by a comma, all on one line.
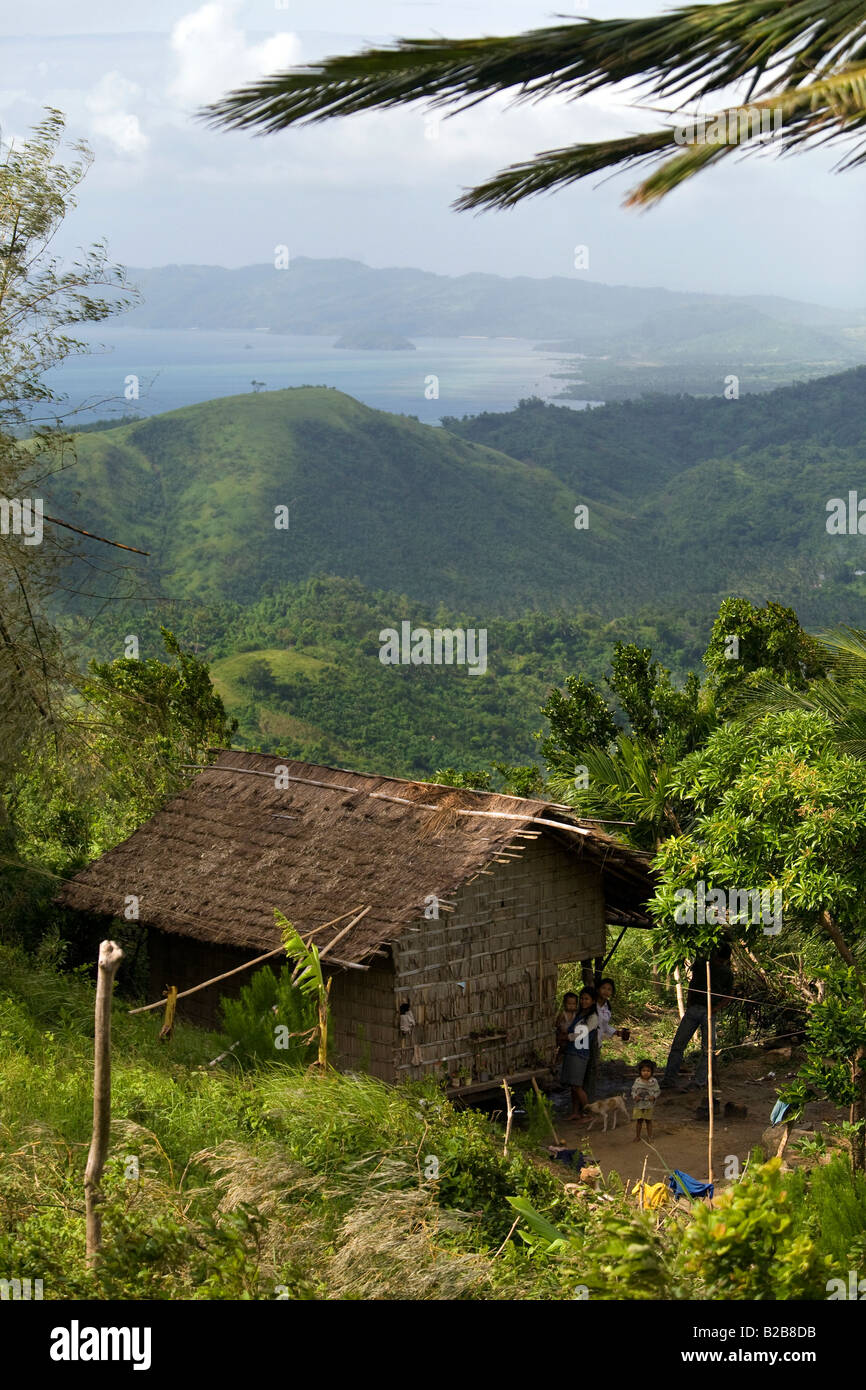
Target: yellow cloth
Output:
[(655, 1194)]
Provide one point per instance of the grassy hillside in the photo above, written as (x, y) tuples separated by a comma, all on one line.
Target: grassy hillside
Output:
[(397, 504), (468, 526), (264, 1181), (704, 497), (300, 670)]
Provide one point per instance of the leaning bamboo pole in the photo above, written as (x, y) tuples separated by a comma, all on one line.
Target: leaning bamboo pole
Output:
[(257, 960), (110, 956)]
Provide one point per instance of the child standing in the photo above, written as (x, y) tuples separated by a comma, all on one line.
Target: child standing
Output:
[(644, 1093)]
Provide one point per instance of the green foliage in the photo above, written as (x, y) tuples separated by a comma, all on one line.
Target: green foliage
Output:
[(282, 1182), (834, 1207), (776, 805), (42, 302), (621, 1256), (751, 1245), (603, 769), (768, 645), (579, 719), (810, 70), (835, 1038), (131, 735), (270, 1001), (780, 809), (477, 780)]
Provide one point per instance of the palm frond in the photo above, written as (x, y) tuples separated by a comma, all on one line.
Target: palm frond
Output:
[(806, 59)]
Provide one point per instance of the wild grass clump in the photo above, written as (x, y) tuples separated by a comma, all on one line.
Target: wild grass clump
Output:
[(250, 1183), (281, 1181)]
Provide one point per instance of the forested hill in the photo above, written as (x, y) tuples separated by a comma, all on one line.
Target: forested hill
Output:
[(620, 449), (684, 497), (399, 505)]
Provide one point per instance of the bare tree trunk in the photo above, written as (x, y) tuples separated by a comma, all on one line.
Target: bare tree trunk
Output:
[(110, 956), (858, 1108), (709, 1077), (858, 1111)]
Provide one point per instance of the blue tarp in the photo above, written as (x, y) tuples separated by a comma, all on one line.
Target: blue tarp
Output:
[(572, 1156), (678, 1181)]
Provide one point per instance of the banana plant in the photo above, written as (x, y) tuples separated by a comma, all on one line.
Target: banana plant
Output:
[(310, 980)]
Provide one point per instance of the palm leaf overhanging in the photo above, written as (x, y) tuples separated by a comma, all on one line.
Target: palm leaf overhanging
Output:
[(840, 695), (805, 60)]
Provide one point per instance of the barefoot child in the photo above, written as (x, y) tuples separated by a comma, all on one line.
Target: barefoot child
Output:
[(644, 1093)]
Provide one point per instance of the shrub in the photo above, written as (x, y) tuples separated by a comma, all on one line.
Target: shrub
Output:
[(751, 1244), (268, 1002)]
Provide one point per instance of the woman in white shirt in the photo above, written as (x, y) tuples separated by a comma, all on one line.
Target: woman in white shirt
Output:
[(580, 1042), (606, 991)]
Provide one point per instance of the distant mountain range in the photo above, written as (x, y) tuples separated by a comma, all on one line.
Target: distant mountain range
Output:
[(342, 296), (630, 341)]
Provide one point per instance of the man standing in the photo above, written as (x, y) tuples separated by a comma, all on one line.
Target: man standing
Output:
[(695, 1016)]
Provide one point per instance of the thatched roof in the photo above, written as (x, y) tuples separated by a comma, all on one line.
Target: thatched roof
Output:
[(215, 862)]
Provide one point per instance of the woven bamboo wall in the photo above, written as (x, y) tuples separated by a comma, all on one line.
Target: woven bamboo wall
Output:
[(364, 1019), (177, 960), (489, 967)]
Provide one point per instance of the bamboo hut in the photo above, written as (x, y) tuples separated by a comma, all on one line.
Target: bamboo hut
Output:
[(473, 900)]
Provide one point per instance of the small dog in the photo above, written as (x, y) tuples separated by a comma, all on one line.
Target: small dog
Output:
[(603, 1109)]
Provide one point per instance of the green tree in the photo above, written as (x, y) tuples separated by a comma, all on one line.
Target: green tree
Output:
[(778, 808), (258, 677), (751, 648), (806, 63), (133, 736), (622, 771), (838, 691), (40, 302)]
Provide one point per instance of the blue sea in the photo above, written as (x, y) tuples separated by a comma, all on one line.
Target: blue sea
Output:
[(177, 368)]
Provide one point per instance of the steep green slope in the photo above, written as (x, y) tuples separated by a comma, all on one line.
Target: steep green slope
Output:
[(395, 503), (473, 525), (704, 497)]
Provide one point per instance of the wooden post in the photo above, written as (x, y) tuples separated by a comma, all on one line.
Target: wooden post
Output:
[(681, 1003), (709, 1075), (110, 956), (510, 1116)]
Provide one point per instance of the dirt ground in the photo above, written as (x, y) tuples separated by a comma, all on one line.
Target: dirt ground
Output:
[(678, 1136)]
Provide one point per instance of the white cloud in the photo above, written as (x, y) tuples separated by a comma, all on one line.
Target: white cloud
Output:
[(109, 118), (212, 54)]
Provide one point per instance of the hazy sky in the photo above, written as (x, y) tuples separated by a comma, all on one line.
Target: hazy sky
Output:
[(377, 188)]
